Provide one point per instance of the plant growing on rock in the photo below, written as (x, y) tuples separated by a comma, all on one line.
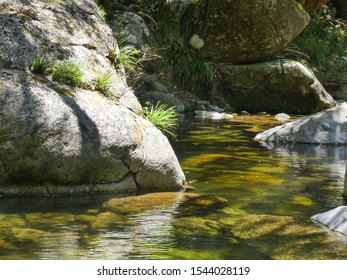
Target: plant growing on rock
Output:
[(67, 72), (40, 65), (163, 117), (103, 83), (101, 9)]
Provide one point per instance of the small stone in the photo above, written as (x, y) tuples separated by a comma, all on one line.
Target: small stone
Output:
[(282, 117)]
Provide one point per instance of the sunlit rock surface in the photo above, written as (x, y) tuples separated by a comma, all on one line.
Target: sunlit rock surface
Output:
[(326, 127), (62, 140), (335, 219)]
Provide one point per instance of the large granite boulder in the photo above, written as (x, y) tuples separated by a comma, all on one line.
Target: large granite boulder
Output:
[(58, 139), (272, 86), (326, 127), (241, 31), (335, 219)]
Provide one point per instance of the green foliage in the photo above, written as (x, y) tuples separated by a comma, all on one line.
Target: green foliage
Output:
[(163, 117), (323, 47), (104, 83), (67, 72), (129, 57), (190, 71), (101, 9), (40, 65), (168, 27)]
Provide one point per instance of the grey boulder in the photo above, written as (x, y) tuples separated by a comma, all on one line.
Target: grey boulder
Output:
[(326, 127), (243, 31), (280, 86), (50, 138), (335, 219)]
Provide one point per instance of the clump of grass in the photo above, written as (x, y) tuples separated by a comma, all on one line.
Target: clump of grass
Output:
[(163, 117), (40, 65), (129, 57), (104, 83), (168, 27), (67, 72)]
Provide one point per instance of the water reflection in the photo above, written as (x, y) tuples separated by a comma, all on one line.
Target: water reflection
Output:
[(250, 201)]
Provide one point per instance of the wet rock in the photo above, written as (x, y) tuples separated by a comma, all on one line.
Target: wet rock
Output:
[(242, 31), (326, 127), (273, 86), (293, 238), (188, 226), (164, 201), (335, 219), (142, 203)]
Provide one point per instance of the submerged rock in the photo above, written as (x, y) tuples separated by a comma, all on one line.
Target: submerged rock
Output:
[(335, 219), (163, 201), (326, 127), (274, 86), (242, 31)]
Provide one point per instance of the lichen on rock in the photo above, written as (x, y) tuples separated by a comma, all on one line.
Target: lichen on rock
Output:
[(57, 139)]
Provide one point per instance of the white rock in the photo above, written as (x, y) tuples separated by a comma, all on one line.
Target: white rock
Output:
[(335, 219), (326, 127), (282, 117)]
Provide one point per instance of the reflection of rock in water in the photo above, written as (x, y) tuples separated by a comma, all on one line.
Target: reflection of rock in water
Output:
[(332, 157)]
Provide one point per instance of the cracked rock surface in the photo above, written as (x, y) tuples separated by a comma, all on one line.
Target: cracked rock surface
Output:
[(241, 31), (58, 140)]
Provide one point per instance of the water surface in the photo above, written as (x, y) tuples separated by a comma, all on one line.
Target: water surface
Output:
[(250, 201)]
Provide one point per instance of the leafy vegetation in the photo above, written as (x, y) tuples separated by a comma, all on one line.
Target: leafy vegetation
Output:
[(163, 117), (67, 72), (322, 46), (129, 57), (101, 9)]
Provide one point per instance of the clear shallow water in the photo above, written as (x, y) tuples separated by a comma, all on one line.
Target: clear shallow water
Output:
[(249, 202)]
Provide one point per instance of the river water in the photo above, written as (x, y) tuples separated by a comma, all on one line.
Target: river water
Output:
[(247, 201)]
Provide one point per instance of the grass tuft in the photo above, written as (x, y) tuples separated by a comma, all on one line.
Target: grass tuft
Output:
[(104, 84), (68, 73), (163, 117), (40, 65)]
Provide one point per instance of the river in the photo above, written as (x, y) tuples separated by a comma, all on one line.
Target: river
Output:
[(247, 201)]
